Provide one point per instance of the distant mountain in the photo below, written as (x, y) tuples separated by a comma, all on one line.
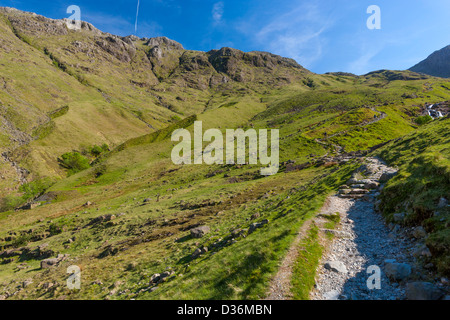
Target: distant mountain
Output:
[(437, 64)]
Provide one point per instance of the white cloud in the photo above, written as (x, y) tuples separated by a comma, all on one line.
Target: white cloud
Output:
[(218, 11)]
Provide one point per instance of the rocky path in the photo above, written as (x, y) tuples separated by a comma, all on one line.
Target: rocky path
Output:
[(367, 259), (364, 245)]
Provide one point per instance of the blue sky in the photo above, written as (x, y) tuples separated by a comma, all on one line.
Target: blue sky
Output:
[(322, 35)]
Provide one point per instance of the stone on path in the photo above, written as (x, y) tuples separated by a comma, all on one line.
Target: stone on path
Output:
[(336, 266)]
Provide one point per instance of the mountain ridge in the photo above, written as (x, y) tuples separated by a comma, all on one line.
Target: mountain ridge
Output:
[(437, 64)]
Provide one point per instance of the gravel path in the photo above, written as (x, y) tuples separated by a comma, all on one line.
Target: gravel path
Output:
[(363, 240)]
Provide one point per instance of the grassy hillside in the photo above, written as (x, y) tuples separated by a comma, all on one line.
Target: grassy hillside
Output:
[(128, 214), (110, 88)]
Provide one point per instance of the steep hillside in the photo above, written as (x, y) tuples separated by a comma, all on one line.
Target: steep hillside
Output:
[(437, 64), (86, 121), (110, 89)]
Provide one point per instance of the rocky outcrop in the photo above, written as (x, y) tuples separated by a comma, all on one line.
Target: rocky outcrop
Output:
[(118, 48), (164, 42), (53, 262)]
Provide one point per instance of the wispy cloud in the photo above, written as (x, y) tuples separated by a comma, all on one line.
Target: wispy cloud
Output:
[(218, 11), (364, 63), (298, 34)]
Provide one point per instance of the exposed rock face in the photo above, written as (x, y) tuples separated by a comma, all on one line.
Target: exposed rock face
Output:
[(120, 49), (437, 64), (154, 60), (39, 25), (231, 62), (396, 75), (160, 41)]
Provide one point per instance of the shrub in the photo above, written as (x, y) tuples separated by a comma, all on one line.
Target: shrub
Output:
[(54, 229), (94, 151), (74, 162), (21, 240), (423, 120), (309, 82)]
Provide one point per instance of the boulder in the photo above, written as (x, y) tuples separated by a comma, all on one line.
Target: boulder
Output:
[(423, 291), (358, 191), (397, 271), (371, 185), (419, 233), (344, 191), (155, 278), (257, 225), (48, 263), (442, 203), (196, 253), (27, 282), (163, 276), (386, 176), (199, 232), (352, 196)]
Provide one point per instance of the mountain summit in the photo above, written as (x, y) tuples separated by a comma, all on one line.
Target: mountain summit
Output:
[(437, 64)]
